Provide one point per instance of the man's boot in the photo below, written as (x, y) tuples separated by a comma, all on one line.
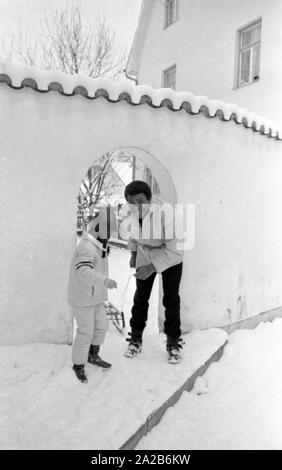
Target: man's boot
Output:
[(95, 359), (135, 344), (173, 347)]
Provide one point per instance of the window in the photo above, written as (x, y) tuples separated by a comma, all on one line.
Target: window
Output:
[(152, 182), (249, 54), (169, 77), (171, 12)]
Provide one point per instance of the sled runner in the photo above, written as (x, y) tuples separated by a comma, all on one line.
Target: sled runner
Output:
[(115, 314)]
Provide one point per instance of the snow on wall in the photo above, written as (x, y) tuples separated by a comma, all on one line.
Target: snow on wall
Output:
[(49, 140), (19, 76)]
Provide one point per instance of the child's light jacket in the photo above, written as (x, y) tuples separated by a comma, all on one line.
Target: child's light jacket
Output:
[(88, 273)]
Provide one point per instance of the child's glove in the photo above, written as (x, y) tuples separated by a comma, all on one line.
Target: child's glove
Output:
[(110, 283), (132, 261)]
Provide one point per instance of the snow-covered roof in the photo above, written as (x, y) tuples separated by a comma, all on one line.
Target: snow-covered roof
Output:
[(20, 76), (132, 65)]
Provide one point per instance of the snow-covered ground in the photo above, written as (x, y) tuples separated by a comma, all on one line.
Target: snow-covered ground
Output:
[(237, 404), (44, 406)]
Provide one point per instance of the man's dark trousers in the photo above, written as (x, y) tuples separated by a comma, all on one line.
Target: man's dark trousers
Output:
[(171, 278)]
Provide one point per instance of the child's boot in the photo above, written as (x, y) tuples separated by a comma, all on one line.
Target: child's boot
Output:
[(94, 358), (80, 372)]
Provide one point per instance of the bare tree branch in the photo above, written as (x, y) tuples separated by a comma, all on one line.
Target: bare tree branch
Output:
[(69, 43)]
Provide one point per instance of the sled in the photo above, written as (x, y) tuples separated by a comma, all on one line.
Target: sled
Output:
[(115, 315)]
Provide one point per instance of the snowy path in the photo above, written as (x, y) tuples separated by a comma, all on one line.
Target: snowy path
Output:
[(237, 404), (43, 406)]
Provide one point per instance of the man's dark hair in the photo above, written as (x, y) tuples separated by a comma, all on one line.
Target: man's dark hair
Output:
[(138, 187)]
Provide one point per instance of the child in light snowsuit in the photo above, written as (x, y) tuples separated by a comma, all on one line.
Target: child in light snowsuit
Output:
[(87, 291)]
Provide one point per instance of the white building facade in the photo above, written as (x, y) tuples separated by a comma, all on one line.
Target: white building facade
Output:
[(229, 50)]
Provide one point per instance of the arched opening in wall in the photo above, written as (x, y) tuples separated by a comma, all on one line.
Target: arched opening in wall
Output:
[(104, 184)]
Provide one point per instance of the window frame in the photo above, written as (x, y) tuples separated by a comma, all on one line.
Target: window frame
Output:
[(167, 20), (164, 75), (241, 49)]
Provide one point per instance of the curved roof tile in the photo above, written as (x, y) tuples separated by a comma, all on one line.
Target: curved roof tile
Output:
[(20, 76)]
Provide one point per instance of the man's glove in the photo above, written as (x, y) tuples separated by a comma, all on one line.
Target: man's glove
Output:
[(132, 261), (145, 271)]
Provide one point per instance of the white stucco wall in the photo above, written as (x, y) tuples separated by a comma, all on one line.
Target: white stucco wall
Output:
[(231, 174), (202, 45), (48, 142)]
